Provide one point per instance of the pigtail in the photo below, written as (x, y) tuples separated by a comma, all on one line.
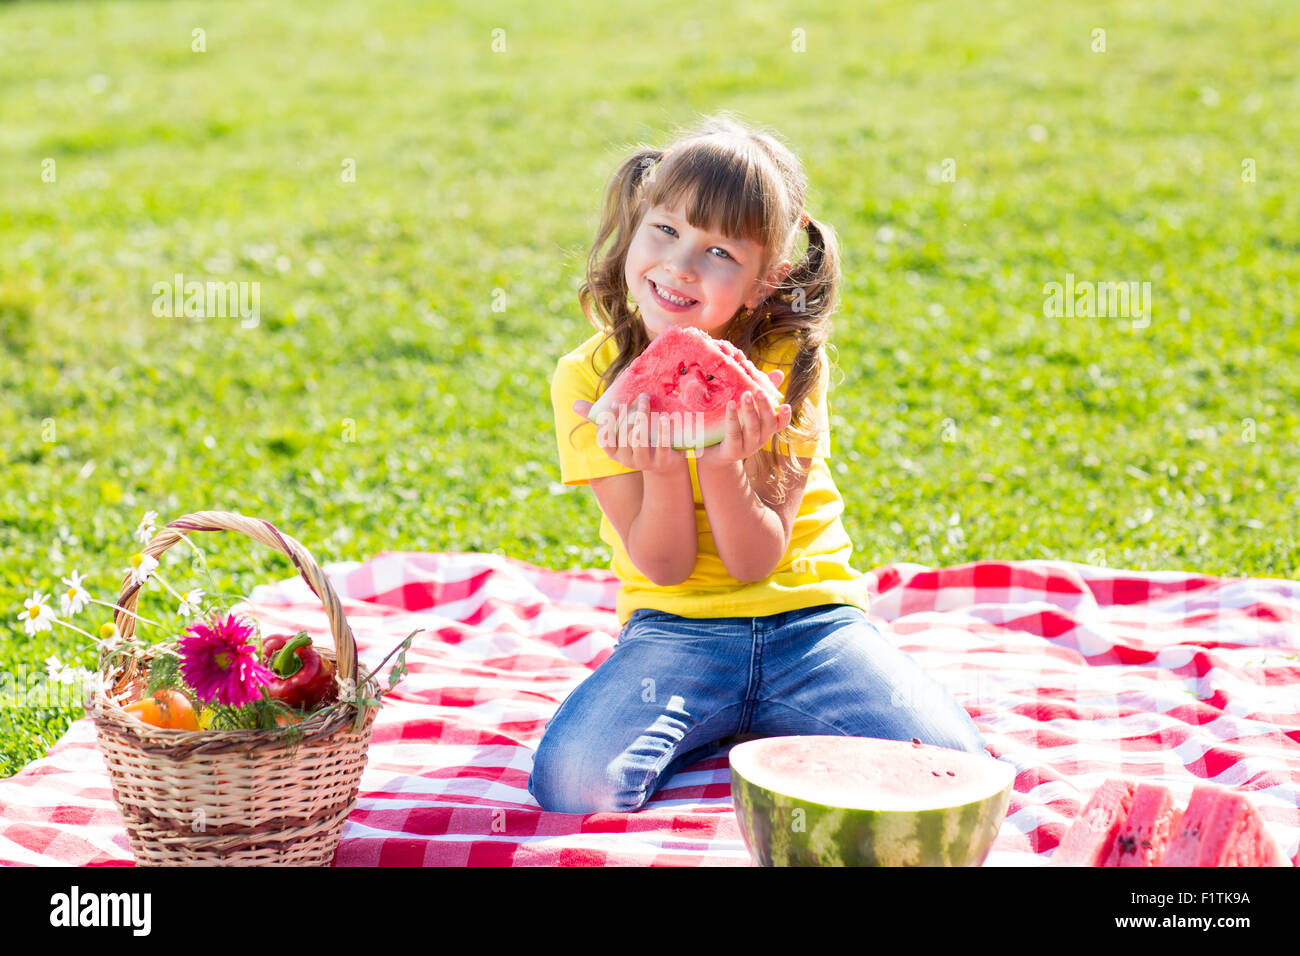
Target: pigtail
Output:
[(603, 294), (604, 290), (799, 310)]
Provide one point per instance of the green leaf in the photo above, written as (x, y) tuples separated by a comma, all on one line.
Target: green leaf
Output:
[(165, 672), (399, 665)]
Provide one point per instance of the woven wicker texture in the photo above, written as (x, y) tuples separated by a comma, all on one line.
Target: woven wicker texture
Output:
[(235, 797)]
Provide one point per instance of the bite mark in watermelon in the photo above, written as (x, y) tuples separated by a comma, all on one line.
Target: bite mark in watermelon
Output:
[(862, 801), (689, 377)]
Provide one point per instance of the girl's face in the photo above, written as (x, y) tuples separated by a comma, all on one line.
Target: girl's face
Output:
[(680, 275)]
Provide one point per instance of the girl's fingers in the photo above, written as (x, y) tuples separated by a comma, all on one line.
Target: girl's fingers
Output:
[(639, 427), (752, 419), (637, 439), (775, 419), (628, 414), (735, 434), (582, 408), (668, 455), (619, 412)]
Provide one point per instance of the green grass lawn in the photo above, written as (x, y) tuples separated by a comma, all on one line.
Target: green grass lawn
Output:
[(967, 154)]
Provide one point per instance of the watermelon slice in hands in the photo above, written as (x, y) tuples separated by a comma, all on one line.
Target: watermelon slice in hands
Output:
[(690, 377)]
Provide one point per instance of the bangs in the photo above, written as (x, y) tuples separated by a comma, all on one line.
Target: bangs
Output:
[(722, 189)]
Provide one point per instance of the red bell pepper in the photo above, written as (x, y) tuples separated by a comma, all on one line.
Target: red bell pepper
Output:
[(304, 679)]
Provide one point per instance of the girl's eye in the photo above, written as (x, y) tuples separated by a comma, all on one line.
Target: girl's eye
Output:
[(671, 231)]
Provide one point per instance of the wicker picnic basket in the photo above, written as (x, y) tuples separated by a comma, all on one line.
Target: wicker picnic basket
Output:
[(235, 797)]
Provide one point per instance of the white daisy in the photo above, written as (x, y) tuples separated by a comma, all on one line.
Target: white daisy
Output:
[(54, 667), (145, 531), (75, 598), (190, 603), (109, 636), (141, 567), (75, 675), (36, 615)]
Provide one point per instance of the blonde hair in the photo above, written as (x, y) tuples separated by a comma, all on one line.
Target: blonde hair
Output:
[(744, 182)]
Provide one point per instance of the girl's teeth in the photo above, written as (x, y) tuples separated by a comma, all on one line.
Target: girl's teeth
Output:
[(672, 298)]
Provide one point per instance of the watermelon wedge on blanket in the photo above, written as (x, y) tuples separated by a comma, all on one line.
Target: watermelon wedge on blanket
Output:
[(861, 801), (1091, 837), (689, 376), (1145, 833), (1221, 828)]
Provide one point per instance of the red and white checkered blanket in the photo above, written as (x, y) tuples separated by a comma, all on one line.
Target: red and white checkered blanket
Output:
[(1073, 673)]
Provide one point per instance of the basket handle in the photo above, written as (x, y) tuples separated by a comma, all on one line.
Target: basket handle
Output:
[(345, 647)]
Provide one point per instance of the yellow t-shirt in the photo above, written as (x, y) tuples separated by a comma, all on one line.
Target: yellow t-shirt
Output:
[(815, 568)]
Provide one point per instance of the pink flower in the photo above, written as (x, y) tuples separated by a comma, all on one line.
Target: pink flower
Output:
[(217, 661)]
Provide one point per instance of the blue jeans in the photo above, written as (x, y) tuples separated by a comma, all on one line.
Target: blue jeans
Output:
[(676, 687)]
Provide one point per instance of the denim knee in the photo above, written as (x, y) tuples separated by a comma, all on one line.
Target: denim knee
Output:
[(566, 779)]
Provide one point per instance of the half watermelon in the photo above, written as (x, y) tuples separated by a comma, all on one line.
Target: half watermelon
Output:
[(862, 801), (689, 377)]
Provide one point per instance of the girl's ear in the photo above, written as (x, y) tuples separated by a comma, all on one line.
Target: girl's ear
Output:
[(766, 287)]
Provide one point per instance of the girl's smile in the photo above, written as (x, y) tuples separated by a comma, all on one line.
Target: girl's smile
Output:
[(671, 300)]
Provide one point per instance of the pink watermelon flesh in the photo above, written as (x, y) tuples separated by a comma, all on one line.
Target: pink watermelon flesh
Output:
[(1090, 838), (1145, 832), (868, 773), (1221, 828), (689, 377)]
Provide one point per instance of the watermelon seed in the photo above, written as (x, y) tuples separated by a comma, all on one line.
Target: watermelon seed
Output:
[(682, 370)]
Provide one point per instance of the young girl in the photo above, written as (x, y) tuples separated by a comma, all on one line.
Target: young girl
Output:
[(740, 612)]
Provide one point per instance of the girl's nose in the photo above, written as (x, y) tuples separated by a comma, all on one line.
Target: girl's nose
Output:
[(679, 265)]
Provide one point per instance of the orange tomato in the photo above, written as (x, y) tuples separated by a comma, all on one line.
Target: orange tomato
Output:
[(166, 708)]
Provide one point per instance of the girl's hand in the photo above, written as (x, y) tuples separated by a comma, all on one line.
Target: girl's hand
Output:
[(627, 438), (750, 425)]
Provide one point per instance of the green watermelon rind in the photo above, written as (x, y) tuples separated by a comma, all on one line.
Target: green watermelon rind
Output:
[(780, 830)]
